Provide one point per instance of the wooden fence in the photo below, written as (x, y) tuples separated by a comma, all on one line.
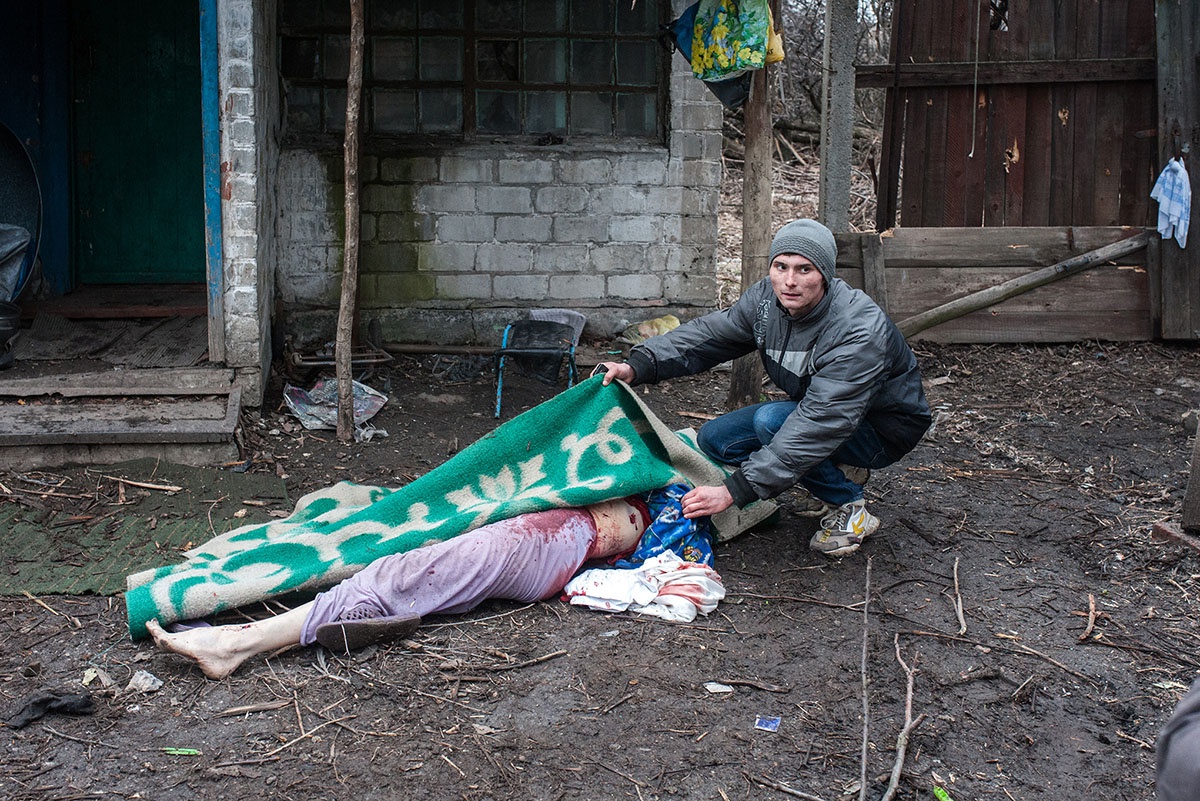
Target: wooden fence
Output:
[(912, 270)]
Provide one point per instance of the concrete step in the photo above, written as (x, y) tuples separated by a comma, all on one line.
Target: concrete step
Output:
[(184, 415)]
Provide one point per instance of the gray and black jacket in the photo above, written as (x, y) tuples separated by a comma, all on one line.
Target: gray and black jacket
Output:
[(843, 363)]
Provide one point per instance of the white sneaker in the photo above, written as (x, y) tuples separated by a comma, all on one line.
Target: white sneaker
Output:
[(844, 529)]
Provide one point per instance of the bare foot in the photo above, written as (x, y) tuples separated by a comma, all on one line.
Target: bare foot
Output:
[(216, 650)]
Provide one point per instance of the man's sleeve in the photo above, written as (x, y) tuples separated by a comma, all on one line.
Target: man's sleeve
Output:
[(697, 345), (835, 404)]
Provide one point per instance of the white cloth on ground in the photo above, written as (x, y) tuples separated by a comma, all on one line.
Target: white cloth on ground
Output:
[(1173, 191), (664, 586)]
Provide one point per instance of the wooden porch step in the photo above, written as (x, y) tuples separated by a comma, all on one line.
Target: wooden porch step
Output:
[(187, 415)]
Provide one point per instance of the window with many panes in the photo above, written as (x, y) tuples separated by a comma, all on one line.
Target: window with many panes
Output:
[(479, 68)]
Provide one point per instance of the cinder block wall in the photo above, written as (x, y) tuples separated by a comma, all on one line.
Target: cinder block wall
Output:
[(458, 242)]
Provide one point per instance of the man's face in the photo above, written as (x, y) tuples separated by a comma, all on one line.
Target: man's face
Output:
[(798, 284)]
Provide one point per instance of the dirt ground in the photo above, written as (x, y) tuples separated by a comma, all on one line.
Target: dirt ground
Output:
[(1048, 632), (1030, 503)]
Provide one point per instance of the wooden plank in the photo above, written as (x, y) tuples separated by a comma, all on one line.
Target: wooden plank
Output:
[(1139, 159), (959, 107), (916, 133), (182, 381), (874, 278), (965, 21), (115, 423), (888, 185), (998, 247), (1110, 148), (1062, 154), (1179, 124), (1039, 114), (1098, 291), (996, 73), (933, 189), (996, 294), (1003, 326)]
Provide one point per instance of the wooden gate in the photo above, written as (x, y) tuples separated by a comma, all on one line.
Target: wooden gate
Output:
[(1019, 113)]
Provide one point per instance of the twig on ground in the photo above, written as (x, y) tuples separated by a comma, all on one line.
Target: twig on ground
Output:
[(781, 787), (1016, 648), (909, 724), (305, 736), (866, 709), (1091, 623), (82, 740), (616, 704), (143, 484), (73, 620), (958, 602), (624, 776), (527, 662), (758, 685)]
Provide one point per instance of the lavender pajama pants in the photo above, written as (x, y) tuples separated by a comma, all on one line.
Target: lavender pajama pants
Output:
[(530, 557)]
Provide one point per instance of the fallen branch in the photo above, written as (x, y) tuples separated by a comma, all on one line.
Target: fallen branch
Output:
[(1016, 648), (1091, 623), (781, 787), (758, 685), (73, 620), (958, 603), (143, 484), (624, 776), (305, 736), (527, 662), (909, 724), (866, 709)]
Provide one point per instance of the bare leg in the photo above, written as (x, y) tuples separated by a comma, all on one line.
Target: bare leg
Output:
[(219, 650)]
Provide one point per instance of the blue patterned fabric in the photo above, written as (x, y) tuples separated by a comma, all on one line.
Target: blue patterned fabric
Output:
[(691, 540), (1173, 191)]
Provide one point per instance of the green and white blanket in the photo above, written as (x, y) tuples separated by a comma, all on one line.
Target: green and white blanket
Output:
[(588, 444)]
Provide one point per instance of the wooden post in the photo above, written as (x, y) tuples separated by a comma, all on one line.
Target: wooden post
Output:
[(344, 344), (837, 114), (1178, 26), (874, 273), (745, 384)]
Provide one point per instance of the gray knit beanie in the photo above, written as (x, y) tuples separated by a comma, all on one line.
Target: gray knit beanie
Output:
[(811, 240)]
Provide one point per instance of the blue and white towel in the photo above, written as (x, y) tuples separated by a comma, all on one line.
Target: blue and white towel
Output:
[(1173, 191)]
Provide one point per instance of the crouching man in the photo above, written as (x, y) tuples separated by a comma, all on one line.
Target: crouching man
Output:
[(854, 390)]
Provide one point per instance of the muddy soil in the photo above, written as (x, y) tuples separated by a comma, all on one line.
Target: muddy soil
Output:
[(1016, 575)]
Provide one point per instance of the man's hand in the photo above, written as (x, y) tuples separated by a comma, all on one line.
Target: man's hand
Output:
[(705, 501), (613, 370)]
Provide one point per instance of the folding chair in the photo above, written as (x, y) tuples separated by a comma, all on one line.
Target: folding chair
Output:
[(539, 346)]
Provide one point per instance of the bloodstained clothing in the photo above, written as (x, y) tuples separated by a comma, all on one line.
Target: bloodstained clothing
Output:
[(530, 557)]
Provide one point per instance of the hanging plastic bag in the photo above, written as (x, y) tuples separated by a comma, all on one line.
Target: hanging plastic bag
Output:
[(730, 37), (774, 40), (732, 92)]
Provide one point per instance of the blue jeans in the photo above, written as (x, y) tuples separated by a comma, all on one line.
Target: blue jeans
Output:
[(732, 437)]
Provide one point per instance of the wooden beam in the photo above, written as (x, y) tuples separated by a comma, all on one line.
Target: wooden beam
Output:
[(962, 73), (996, 294)]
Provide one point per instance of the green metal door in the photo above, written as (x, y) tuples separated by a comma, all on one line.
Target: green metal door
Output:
[(138, 171)]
